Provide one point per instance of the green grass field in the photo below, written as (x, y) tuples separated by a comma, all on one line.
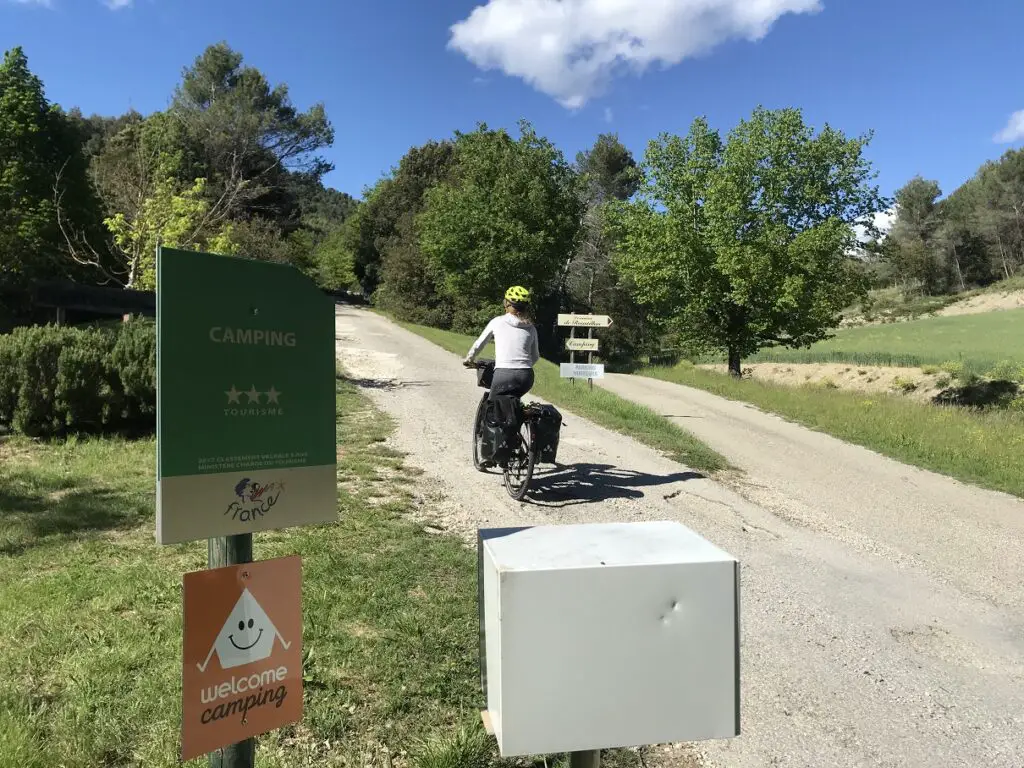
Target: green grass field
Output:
[(980, 448), (980, 341), (600, 406), (90, 617)]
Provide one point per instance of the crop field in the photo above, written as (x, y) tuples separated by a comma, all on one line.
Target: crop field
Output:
[(980, 342)]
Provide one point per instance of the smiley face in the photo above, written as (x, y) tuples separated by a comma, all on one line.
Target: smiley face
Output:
[(242, 627), (247, 635)]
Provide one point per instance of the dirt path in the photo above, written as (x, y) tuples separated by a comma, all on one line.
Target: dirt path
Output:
[(858, 648)]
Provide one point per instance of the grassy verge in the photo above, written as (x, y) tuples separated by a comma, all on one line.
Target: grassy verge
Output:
[(982, 448), (90, 616), (91, 632), (601, 407)]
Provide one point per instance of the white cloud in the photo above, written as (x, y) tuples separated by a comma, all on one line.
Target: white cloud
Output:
[(116, 5), (609, 115), (570, 49), (41, 3), (1014, 130)]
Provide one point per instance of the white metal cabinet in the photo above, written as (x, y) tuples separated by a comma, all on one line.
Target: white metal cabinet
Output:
[(608, 635)]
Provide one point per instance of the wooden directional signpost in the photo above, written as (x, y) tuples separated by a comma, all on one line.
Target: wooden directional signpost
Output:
[(589, 370), (245, 443)]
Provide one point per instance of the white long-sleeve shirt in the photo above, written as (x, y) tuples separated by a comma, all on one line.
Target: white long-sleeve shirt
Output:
[(515, 342)]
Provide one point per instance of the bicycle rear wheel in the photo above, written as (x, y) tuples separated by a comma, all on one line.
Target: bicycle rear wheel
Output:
[(518, 471), (478, 435)]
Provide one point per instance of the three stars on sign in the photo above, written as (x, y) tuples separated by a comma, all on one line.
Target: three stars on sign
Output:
[(253, 394)]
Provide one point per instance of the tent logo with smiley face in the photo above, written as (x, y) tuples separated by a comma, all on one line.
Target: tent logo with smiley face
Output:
[(248, 635)]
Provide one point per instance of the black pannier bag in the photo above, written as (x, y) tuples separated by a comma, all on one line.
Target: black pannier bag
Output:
[(549, 427), (485, 375), (502, 420)]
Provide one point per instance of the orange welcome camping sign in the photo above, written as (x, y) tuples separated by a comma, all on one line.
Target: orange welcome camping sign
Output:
[(242, 659)]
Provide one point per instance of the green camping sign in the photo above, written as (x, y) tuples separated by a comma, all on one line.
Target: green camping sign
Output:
[(245, 398)]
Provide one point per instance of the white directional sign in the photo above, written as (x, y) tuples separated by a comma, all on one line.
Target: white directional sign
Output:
[(582, 345), (582, 371), (585, 321)]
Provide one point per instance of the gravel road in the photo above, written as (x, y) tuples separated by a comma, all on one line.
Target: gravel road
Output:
[(882, 615)]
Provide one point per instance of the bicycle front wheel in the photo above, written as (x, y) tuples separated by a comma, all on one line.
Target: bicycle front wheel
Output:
[(519, 469)]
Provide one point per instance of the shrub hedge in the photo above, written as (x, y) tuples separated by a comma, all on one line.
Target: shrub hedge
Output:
[(56, 381)]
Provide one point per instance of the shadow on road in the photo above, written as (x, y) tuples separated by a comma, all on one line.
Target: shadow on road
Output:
[(567, 486)]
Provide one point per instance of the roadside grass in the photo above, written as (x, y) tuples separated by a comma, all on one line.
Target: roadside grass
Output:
[(979, 342), (90, 616), (981, 448), (600, 406)]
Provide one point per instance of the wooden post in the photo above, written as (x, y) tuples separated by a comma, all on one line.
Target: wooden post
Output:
[(231, 550), (590, 355), (590, 758), (572, 352)]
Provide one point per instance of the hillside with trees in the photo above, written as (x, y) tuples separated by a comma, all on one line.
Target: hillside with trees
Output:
[(969, 239), (713, 243)]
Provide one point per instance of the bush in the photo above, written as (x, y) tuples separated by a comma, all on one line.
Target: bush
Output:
[(9, 379), (960, 371), (88, 393), (58, 380), (1007, 370), (134, 359), (36, 367), (903, 385)]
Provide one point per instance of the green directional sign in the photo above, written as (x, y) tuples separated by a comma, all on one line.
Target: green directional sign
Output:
[(245, 398)]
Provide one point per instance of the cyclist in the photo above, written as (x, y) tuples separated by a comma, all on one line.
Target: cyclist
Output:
[(515, 343)]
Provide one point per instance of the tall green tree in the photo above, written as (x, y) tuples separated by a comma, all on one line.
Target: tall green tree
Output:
[(142, 174), (913, 245), (250, 136), (509, 214), (382, 237), (607, 173), (741, 243), (44, 186), (959, 240), (608, 170), (999, 214)]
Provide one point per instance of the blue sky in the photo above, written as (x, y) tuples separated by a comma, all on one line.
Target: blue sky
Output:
[(937, 80)]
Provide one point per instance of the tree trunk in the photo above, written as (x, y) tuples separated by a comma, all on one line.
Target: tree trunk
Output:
[(959, 272), (735, 368), (1002, 255)]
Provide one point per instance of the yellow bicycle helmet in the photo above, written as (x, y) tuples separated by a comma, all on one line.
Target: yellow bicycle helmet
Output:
[(517, 295)]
